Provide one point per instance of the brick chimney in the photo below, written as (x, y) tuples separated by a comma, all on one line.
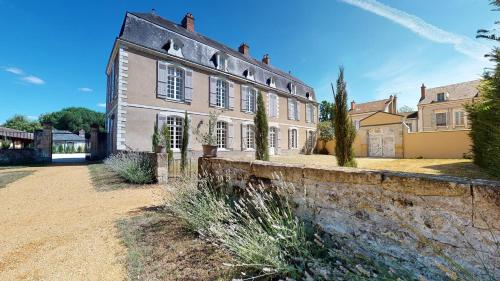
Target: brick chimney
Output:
[(422, 92), (266, 59), (244, 49), (81, 133), (188, 22), (353, 105)]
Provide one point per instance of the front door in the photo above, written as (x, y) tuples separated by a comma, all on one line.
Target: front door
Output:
[(272, 140)]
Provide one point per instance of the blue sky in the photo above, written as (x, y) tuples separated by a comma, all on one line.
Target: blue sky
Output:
[(53, 53)]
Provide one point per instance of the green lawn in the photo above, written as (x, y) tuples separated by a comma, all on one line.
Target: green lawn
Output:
[(10, 177), (451, 167)]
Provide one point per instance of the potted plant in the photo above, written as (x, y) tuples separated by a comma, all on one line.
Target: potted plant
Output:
[(207, 135)]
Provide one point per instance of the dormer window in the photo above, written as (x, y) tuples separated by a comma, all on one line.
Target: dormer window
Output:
[(308, 96), (293, 88), (271, 82), (220, 60), (440, 97), (174, 47), (249, 74)]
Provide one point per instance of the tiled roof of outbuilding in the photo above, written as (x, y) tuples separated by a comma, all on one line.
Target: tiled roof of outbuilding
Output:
[(153, 32), (372, 106), (457, 91), (61, 135)]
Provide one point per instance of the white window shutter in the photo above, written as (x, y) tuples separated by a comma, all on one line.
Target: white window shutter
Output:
[(297, 110), (244, 98), (161, 89), (190, 133), (289, 138), (290, 110), (231, 94), (308, 113), (230, 135), (243, 136), (188, 85), (213, 91), (278, 140), (161, 120), (277, 106)]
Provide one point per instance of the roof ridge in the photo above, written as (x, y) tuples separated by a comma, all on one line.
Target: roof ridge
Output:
[(454, 84)]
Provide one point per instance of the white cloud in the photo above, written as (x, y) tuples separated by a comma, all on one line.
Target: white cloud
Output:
[(101, 105), (32, 117), (417, 25), (85, 89), (33, 80), (14, 70)]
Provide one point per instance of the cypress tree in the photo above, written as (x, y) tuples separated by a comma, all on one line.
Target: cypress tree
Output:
[(185, 143), (261, 130), (343, 127)]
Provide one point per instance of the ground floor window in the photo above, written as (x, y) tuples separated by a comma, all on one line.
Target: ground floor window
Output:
[(272, 137), (459, 118), (441, 119), (221, 134), (292, 138), (310, 139), (175, 124), (248, 136)]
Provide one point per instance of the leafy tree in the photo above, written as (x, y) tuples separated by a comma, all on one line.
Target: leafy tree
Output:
[(185, 143), (261, 130), (406, 108), (326, 131), (490, 34), (74, 118), (343, 127), (484, 114), (325, 111), (21, 122)]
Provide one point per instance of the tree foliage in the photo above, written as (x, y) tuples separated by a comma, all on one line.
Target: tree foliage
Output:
[(22, 123), (343, 127), (484, 114), (325, 111), (326, 131), (261, 131), (490, 33), (185, 143), (74, 118)]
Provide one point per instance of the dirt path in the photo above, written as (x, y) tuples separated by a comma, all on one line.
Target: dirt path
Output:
[(55, 226)]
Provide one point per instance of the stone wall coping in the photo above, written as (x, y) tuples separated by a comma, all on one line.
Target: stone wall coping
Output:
[(385, 175)]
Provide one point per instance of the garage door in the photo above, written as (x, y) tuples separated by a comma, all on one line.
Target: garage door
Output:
[(381, 143)]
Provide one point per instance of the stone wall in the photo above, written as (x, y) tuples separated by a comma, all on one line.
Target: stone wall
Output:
[(406, 215), (17, 156)]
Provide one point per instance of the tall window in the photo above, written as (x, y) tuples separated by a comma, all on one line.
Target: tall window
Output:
[(441, 119), (221, 92), (293, 138), (252, 94), (293, 113), (272, 137), (221, 134), (440, 97), (310, 139), (221, 62), (174, 124), (459, 118), (249, 137), (273, 105), (175, 83)]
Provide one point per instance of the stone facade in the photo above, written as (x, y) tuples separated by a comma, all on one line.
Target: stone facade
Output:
[(412, 216)]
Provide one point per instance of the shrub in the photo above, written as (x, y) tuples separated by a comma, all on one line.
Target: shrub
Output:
[(326, 131), (5, 144), (134, 167)]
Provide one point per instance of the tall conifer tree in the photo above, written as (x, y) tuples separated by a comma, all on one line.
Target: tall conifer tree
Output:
[(261, 130)]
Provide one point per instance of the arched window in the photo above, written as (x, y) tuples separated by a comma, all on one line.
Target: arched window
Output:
[(221, 134), (175, 126), (175, 83), (222, 93)]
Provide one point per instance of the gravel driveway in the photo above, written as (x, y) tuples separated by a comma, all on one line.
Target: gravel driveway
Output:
[(55, 226)]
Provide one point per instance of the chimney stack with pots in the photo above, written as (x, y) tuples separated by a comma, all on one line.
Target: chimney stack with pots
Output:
[(353, 105), (188, 22), (266, 59), (422, 92), (244, 49)]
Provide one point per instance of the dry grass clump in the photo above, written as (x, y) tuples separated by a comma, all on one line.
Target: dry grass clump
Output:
[(134, 167)]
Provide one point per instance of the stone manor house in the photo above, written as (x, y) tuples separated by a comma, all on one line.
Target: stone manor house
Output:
[(158, 69)]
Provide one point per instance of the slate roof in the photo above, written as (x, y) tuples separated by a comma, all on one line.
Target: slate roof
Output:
[(372, 106), (152, 31), (13, 133), (61, 135), (459, 91)]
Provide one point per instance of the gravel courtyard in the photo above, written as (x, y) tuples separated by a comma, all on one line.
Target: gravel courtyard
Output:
[(56, 226)]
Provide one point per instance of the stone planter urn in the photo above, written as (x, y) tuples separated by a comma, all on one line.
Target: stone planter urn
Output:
[(160, 149), (209, 150)]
